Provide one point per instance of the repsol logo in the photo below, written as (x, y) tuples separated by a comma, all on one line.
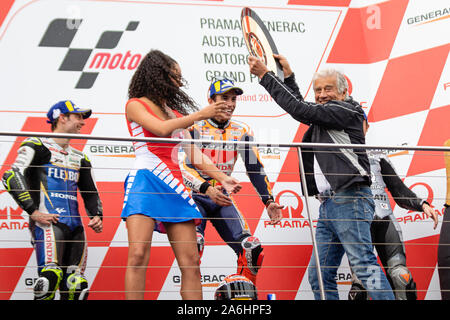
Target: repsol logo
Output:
[(60, 34), (188, 184)]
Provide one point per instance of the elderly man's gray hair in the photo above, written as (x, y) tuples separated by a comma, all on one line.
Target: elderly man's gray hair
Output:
[(341, 81)]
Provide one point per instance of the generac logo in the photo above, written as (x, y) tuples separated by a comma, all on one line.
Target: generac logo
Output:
[(429, 17), (60, 34)]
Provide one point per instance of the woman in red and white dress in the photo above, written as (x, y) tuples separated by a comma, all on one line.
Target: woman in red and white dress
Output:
[(155, 197)]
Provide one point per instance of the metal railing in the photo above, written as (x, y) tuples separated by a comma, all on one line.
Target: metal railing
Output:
[(299, 146)]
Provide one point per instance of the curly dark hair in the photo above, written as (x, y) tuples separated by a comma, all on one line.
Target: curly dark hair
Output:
[(154, 78)]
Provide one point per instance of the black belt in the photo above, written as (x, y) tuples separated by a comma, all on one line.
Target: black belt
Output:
[(330, 193), (324, 195)]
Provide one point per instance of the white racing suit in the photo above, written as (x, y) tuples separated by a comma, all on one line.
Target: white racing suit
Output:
[(46, 177)]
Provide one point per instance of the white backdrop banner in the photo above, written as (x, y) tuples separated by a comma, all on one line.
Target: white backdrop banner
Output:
[(393, 53)]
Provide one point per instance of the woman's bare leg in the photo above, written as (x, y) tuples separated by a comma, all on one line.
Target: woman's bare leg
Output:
[(183, 239), (140, 232)]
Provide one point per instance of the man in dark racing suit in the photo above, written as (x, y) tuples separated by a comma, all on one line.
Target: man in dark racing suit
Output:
[(385, 230), (212, 202), (44, 180)]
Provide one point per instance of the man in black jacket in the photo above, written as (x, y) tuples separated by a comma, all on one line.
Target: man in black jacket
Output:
[(339, 178)]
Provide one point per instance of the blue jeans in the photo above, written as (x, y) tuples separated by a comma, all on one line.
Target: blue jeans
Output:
[(344, 227)]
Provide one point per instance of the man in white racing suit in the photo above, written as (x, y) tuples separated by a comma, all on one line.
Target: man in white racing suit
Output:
[(44, 180)]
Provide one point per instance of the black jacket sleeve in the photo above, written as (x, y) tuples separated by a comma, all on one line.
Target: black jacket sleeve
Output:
[(16, 185), (88, 190), (30, 155), (292, 84), (402, 195)]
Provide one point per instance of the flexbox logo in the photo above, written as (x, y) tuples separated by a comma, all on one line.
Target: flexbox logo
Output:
[(60, 34)]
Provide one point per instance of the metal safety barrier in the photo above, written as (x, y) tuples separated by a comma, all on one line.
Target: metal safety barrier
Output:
[(240, 144)]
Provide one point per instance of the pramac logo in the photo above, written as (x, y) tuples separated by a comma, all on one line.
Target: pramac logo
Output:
[(414, 216), (292, 212), (10, 214), (292, 202)]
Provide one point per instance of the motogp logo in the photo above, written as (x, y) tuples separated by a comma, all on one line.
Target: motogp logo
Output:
[(60, 34)]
